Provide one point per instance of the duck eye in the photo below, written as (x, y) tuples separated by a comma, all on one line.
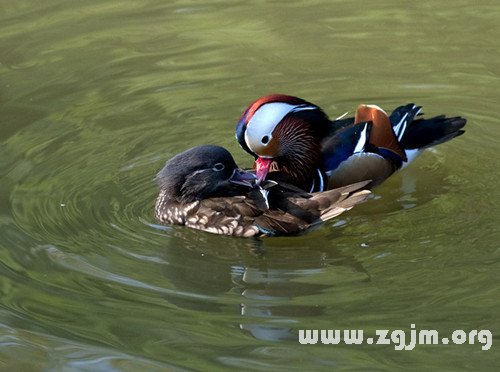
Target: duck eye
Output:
[(265, 139), (218, 167)]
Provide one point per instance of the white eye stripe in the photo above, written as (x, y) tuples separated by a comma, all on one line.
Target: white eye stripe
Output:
[(266, 118), (270, 114), (198, 171)]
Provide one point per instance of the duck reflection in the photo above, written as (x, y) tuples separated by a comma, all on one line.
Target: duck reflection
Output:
[(269, 283)]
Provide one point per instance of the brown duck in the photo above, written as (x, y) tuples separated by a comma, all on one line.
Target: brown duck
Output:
[(202, 188)]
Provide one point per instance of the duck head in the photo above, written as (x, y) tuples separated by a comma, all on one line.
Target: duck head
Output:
[(283, 133), (202, 172)]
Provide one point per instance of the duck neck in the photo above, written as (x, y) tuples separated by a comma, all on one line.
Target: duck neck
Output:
[(300, 156)]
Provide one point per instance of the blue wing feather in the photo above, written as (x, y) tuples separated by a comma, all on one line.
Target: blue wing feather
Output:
[(346, 142)]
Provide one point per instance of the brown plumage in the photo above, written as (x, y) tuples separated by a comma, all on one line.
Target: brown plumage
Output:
[(222, 206), (299, 153), (289, 213)]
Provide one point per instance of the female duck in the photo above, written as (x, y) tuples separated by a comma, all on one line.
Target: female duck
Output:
[(202, 188)]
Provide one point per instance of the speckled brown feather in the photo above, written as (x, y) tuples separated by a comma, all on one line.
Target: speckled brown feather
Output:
[(290, 213)]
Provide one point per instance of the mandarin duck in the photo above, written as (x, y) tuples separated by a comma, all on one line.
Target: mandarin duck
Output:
[(296, 138), (202, 188)]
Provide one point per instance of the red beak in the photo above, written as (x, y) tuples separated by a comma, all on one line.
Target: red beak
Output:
[(261, 168)]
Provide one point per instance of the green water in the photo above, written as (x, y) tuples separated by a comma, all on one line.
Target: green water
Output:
[(96, 95)]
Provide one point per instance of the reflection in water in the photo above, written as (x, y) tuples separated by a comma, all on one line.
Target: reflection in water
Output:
[(274, 298), (263, 291), (273, 291)]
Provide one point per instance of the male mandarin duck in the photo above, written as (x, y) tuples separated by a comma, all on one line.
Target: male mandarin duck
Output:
[(296, 137), (202, 188)]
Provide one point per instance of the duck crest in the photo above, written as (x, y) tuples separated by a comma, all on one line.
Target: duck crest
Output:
[(256, 126), (257, 104), (371, 145)]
